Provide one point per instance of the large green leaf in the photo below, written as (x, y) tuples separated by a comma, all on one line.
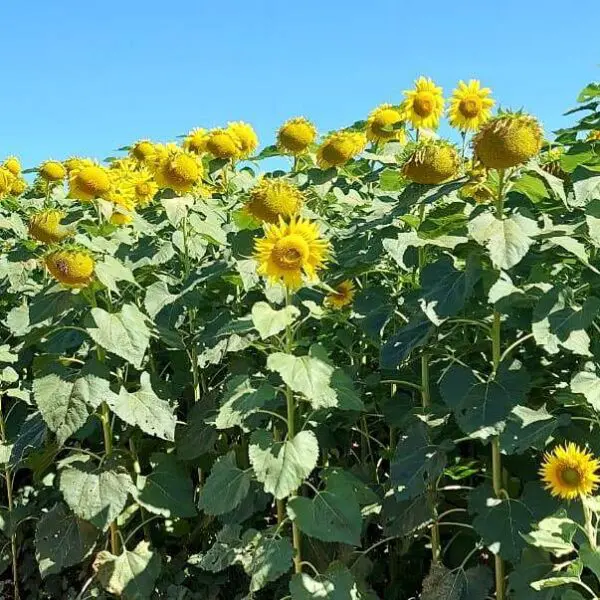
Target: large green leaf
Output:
[(397, 248), (97, 495), (399, 346), (62, 540), (168, 489), (269, 321), (337, 583), (226, 487), (145, 409), (130, 575), (282, 466), (197, 436), (110, 271), (124, 333), (587, 382), (266, 558), (332, 515), (534, 564)]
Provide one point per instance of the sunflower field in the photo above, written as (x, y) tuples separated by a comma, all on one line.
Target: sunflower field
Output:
[(370, 372)]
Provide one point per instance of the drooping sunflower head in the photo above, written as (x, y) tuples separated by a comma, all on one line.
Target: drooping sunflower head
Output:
[(195, 141), (343, 295), (6, 181), (179, 170), (13, 164), (246, 136), (75, 163), (508, 140), (470, 106), (89, 183), (18, 187), (296, 135), (291, 251), (550, 161), (52, 171), (142, 150), (569, 472), (274, 198), (142, 187), (380, 123), (46, 227), (432, 162), (423, 106), (339, 147), (222, 143), (73, 267)]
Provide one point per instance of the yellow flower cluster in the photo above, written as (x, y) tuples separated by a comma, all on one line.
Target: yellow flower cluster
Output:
[(11, 180)]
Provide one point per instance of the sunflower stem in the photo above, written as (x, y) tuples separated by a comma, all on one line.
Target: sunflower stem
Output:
[(590, 528)]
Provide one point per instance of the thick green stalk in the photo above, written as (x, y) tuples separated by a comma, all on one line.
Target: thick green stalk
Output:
[(108, 448), (9, 493)]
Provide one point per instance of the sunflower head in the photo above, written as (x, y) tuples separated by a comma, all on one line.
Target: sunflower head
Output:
[(593, 135), (141, 187), (73, 267), (423, 106), (432, 162), (75, 163), (343, 295), (45, 227), (246, 135), (339, 147), (550, 161), (569, 472), (290, 251), (274, 198), (13, 165), (89, 183), (379, 124), (52, 171), (296, 135), (221, 143), (125, 165), (470, 106), (178, 170), (142, 150), (508, 140), (6, 181), (18, 186), (195, 141)]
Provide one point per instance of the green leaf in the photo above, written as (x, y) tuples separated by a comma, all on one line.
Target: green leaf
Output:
[(226, 487), (177, 208), (337, 583), (555, 535), (269, 321), (332, 515), (168, 489), (223, 553), (481, 407), (416, 463), (62, 540), (444, 289), (588, 383), (507, 240), (590, 559), (308, 375), (157, 297), (110, 271), (282, 466), (124, 333), (533, 565), (592, 218), (145, 410), (131, 575), (65, 397), (265, 559), (196, 437), (399, 347), (97, 495)]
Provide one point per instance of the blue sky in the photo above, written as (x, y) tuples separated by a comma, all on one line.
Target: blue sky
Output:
[(87, 77)]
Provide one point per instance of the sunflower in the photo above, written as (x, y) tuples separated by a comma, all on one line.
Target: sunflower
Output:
[(343, 295), (18, 186), (73, 267), (195, 141), (13, 165), (142, 150), (75, 163), (272, 198), (381, 120), (89, 183), (569, 472), (432, 162), (339, 147), (296, 135), (246, 136), (593, 135), (470, 106), (6, 181), (290, 250), (179, 170), (424, 105), (126, 165), (142, 187), (550, 161), (508, 140), (222, 143), (52, 171), (46, 227)]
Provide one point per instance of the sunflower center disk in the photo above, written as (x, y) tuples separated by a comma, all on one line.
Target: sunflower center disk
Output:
[(423, 104), (291, 252), (470, 106), (571, 477)]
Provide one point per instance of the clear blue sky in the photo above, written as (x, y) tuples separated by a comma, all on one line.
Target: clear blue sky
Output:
[(84, 78)]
